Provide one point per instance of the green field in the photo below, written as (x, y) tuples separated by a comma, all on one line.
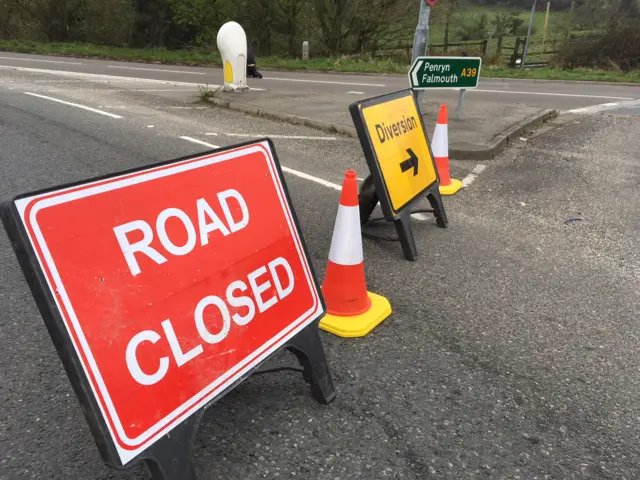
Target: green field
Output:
[(383, 63), (346, 65)]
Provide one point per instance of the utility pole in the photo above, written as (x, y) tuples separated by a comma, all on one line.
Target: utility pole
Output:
[(546, 23), (421, 37), (526, 43)]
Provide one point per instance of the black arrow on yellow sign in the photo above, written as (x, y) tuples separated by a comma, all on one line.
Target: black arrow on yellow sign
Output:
[(411, 162)]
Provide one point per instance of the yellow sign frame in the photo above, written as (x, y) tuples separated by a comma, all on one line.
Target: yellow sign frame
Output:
[(390, 127), (400, 173)]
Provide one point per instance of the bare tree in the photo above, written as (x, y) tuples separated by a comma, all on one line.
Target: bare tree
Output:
[(336, 20), (289, 12), (380, 23)]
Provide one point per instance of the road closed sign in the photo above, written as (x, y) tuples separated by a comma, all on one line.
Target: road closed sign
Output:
[(168, 284)]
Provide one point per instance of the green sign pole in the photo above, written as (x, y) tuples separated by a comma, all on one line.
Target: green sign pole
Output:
[(460, 100)]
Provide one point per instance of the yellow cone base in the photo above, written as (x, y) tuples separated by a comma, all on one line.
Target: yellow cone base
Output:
[(359, 325), (452, 188)]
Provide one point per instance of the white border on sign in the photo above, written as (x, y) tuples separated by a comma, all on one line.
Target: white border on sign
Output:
[(144, 441), (415, 67)]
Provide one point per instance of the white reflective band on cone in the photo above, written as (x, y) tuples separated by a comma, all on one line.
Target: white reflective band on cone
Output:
[(346, 244), (440, 142)]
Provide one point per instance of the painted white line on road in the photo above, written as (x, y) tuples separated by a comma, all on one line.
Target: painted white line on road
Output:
[(297, 173), (56, 81), (255, 135), (604, 106), (77, 105), (110, 78), (549, 94), (301, 80), (200, 142), (156, 70), (311, 178), (354, 92), (37, 60), (183, 108), (469, 179), (163, 90)]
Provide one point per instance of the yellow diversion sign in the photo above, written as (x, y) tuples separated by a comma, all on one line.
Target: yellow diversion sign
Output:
[(401, 165), (400, 146)]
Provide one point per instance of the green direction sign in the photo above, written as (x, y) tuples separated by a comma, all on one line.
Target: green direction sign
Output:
[(445, 72)]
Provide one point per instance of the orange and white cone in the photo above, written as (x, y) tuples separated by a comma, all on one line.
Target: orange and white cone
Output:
[(352, 311), (440, 149)]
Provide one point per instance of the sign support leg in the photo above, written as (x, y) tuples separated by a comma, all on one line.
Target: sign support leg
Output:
[(460, 101), (367, 199), (435, 200), (405, 235), (170, 457), (307, 347)]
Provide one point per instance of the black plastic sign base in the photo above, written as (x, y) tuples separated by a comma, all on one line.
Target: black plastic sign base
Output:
[(171, 457), (61, 256), (396, 146), (368, 199)]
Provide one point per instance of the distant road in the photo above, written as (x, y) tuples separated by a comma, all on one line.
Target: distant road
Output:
[(559, 95)]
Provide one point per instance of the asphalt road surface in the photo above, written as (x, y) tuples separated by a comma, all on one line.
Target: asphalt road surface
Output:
[(513, 350), (559, 95)]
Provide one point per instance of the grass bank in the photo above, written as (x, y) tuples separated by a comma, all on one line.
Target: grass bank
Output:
[(345, 65)]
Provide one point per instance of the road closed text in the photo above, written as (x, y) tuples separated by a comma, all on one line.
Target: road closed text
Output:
[(244, 299), (207, 222)]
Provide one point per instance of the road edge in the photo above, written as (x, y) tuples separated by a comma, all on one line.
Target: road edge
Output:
[(498, 143), (488, 151)]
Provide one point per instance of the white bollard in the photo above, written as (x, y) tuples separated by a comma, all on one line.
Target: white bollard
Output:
[(305, 50), (232, 44)]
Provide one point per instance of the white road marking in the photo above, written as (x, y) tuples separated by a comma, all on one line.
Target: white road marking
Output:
[(354, 92), (603, 107), (311, 178), (184, 108), (56, 81), (164, 89), (469, 179), (301, 80), (71, 104), (37, 60), (298, 173), (110, 78), (549, 94), (156, 70), (420, 216), (200, 142), (255, 135)]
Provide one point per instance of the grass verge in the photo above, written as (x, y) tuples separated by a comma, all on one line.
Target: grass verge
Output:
[(345, 65)]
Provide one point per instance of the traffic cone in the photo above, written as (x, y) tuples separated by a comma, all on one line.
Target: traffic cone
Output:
[(440, 148), (352, 311)]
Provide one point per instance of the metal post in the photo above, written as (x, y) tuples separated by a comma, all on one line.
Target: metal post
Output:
[(421, 37), (526, 43), (460, 101), (546, 23)]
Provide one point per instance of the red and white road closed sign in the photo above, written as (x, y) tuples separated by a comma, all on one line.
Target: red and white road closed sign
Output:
[(173, 282)]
